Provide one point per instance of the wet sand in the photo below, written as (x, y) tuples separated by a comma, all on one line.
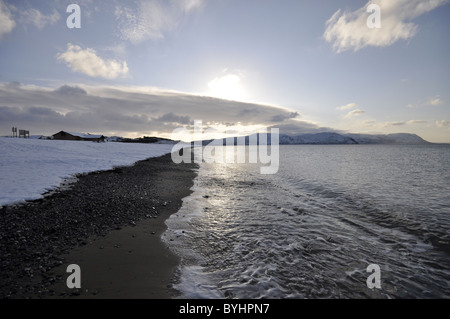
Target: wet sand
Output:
[(127, 263), (109, 223)]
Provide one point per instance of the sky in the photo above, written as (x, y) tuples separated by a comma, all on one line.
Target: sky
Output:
[(136, 68)]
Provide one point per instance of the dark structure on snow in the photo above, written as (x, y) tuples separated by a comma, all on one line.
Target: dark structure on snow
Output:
[(73, 136)]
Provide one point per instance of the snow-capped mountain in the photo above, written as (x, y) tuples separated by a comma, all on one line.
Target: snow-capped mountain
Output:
[(329, 138), (399, 138), (335, 138), (319, 138)]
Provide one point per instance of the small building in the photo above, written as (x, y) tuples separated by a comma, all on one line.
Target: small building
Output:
[(74, 136)]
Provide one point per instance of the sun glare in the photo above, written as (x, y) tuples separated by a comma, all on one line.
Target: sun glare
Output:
[(227, 87)]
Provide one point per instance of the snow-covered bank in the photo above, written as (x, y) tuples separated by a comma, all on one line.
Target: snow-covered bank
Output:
[(29, 167)]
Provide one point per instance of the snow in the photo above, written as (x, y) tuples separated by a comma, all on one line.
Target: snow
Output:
[(398, 138), (319, 138), (335, 138), (31, 167)]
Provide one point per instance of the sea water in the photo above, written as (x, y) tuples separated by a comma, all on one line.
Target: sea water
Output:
[(312, 229)]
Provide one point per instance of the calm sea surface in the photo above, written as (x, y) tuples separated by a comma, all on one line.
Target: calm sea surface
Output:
[(312, 229)]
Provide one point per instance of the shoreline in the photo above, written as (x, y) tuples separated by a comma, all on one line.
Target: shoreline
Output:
[(108, 222)]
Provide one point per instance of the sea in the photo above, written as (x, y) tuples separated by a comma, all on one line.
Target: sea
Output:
[(317, 227)]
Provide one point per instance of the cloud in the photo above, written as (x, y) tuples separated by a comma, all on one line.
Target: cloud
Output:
[(443, 124), (353, 113), (434, 101), (417, 122), (70, 90), (370, 122), (148, 21), (88, 62), (427, 102), (398, 123), (284, 117), (188, 5), (38, 19), (130, 111), (7, 23), (151, 19), (172, 118), (298, 127), (348, 106), (349, 30)]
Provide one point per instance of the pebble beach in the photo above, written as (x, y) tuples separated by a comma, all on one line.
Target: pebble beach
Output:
[(107, 222)]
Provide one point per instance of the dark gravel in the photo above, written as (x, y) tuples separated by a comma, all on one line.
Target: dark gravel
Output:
[(34, 235)]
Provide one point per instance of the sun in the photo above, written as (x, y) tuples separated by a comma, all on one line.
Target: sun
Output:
[(227, 87)]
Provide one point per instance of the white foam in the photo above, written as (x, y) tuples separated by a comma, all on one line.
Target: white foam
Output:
[(195, 284)]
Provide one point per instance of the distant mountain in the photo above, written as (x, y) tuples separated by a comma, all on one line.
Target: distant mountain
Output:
[(318, 138), (335, 138), (332, 138), (399, 138)]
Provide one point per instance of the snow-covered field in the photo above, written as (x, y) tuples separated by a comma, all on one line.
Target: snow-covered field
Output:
[(31, 167)]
